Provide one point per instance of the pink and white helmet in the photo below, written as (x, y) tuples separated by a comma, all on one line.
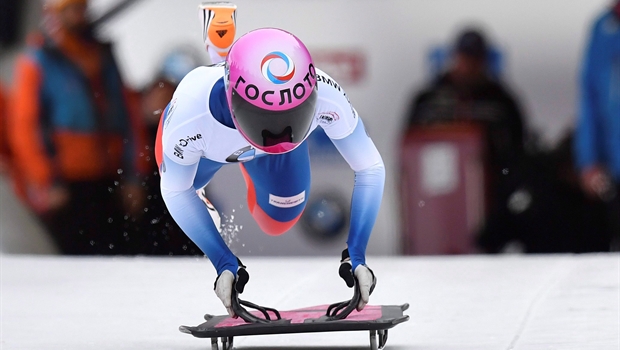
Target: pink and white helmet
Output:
[(271, 89)]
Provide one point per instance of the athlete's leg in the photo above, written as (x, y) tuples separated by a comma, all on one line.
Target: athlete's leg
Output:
[(278, 186)]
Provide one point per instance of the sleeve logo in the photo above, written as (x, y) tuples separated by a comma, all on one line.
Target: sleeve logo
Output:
[(328, 118), (178, 151)]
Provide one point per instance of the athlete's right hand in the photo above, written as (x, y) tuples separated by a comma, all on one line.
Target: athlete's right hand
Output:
[(225, 283)]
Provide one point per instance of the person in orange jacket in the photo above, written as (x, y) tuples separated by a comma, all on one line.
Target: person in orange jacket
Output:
[(4, 146), (74, 137), (7, 165)]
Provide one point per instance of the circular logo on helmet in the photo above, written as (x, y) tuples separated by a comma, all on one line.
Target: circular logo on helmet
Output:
[(265, 67)]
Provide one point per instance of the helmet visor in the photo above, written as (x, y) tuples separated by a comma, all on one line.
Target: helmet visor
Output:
[(273, 131)]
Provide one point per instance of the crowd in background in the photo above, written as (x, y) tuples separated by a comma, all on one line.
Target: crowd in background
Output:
[(78, 144), (561, 200)]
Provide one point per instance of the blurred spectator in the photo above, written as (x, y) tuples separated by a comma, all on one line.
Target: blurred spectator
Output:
[(4, 145), (467, 93), (163, 235), (73, 137), (545, 210), (7, 165), (158, 93), (597, 136)]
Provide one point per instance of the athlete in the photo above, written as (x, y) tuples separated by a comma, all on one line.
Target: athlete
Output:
[(256, 109)]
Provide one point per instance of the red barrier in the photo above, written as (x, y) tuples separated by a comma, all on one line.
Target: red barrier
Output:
[(442, 188)]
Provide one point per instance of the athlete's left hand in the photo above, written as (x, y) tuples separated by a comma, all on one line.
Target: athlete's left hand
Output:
[(365, 278), (367, 281)]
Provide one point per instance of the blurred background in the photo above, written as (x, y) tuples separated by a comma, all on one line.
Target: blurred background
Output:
[(495, 135)]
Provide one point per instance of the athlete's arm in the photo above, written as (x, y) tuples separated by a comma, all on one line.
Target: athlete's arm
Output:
[(346, 130), (192, 216), (178, 177), (364, 158)]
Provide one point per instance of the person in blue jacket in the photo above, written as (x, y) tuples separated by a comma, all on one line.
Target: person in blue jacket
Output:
[(597, 137)]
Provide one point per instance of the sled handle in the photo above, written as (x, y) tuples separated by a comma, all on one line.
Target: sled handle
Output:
[(237, 306), (339, 311)]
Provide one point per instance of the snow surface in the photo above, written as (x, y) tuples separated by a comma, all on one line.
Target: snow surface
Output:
[(458, 302)]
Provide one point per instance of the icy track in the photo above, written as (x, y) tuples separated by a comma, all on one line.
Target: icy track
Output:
[(461, 302)]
